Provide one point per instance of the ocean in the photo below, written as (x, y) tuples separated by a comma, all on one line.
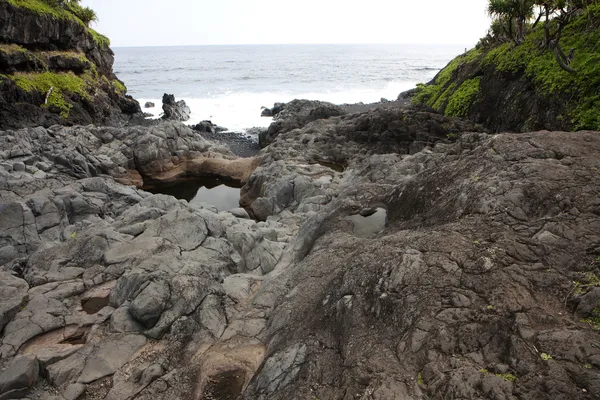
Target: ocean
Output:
[(229, 84)]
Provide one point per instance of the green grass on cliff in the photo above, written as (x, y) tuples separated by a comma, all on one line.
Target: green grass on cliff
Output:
[(581, 90), (41, 7), (438, 93), (119, 87), (61, 84), (11, 48), (461, 99)]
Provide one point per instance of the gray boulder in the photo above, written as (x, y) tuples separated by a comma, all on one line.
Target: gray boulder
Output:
[(18, 377)]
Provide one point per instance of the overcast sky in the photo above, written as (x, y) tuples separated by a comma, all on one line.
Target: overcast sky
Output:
[(197, 22)]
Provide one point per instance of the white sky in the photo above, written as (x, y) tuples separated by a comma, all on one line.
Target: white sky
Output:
[(198, 22)]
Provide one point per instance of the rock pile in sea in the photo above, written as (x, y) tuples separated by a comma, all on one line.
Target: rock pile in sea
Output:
[(175, 110), (479, 279)]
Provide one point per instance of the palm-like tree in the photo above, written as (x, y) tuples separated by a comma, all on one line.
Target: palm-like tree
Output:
[(513, 15)]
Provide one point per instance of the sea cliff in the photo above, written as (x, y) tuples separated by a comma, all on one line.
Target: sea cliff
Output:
[(56, 70)]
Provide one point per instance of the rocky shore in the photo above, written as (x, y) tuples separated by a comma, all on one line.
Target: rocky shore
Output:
[(394, 253), (379, 251)]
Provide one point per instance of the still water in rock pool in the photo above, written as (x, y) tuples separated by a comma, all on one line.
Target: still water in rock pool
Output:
[(369, 222), (224, 195)]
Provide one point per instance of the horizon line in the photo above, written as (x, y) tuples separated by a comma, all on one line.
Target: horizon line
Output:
[(294, 44)]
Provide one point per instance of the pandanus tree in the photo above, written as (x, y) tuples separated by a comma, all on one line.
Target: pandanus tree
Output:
[(513, 18)]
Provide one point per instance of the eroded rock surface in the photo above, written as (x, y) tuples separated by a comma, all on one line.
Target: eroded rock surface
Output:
[(480, 280)]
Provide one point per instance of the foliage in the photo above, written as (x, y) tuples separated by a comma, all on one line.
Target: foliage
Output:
[(594, 320), (420, 380), (119, 87), (545, 357), (507, 377), (11, 48), (460, 101), (436, 95), (85, 14), (57, 85), (587, 280)]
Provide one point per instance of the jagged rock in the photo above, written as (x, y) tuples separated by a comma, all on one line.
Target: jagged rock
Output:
[(175, 110), (205, 127), (13, 295), (273, 112), (149, 104), (296, 114), (18, 377)]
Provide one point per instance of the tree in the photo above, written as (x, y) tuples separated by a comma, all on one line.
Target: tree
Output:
[(512, 19)]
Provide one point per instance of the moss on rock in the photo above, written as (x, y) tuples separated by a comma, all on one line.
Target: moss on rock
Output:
[(437, 93), (57, 85), (11, 48), (462, 98), (119, 87)]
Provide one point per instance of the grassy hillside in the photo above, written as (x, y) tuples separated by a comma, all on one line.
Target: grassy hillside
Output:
[(503, 75)]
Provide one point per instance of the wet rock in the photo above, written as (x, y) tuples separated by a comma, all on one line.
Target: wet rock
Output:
[(149, 104)]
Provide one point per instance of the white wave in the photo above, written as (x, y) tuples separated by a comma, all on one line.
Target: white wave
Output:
[(241, 111)]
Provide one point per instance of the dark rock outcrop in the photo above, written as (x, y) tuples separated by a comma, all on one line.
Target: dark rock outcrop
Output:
[(296, 114), (208, 127), (149, 104), (175, 110), (272, 112), (55, 70)]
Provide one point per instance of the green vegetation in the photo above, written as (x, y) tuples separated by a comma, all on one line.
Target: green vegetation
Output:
[(55, 86), (507, 377), (527, 39), (588, 279), (460, 101), (11, 48), (594, 320), (437, 94), (420, 380), (66, 10), (545, 357), (119, 87)]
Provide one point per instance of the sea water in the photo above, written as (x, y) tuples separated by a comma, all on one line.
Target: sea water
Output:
[(229, 84)]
